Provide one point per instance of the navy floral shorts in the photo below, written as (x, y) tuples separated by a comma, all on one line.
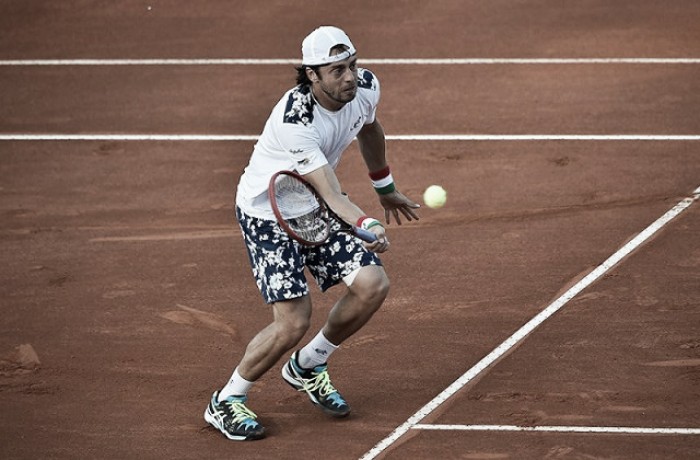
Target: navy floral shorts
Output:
[(278, 261)]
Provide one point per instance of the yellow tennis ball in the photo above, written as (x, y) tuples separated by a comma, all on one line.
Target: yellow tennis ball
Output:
[(435, 196)]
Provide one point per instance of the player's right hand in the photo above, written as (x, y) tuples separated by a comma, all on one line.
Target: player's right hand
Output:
[(382, 243)]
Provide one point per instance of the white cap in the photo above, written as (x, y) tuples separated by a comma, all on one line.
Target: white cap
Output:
[(316, 47)]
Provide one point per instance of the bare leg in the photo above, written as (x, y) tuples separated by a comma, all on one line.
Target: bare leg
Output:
[(363, 298), (291, 321)]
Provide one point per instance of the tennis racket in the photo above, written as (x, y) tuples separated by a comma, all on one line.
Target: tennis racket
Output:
[(303, 214)]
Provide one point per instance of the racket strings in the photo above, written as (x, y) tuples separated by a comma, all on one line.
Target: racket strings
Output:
[(311, 227), (301, 210)]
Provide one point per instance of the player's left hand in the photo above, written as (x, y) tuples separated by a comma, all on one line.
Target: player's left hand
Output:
[(395, 203)]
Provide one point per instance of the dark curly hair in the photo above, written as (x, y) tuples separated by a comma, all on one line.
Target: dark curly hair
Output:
[(302, 78)]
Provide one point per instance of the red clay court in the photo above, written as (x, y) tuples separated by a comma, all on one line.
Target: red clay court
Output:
[(550, 310)]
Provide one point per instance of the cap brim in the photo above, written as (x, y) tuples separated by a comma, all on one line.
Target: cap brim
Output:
[(325, 60)]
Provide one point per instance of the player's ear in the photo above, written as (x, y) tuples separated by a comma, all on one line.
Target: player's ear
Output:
[(312, 75)]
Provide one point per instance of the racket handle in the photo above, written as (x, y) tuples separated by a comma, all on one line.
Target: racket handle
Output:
[(364, 235)]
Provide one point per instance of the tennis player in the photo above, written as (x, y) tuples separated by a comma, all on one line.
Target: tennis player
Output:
[(308, 131)]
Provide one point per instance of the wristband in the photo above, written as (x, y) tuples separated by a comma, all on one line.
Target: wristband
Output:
[(382, 181), (366, 222)]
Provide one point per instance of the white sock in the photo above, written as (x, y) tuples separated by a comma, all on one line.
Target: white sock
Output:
[(236, 385), (316, 352)]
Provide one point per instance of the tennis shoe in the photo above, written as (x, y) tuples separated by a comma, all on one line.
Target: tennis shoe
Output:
[(233, 418), (317, 384)]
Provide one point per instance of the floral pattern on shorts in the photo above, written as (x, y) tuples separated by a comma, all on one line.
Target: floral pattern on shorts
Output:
[(278, 261)]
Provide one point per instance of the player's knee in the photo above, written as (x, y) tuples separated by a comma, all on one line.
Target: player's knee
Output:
[(381, 289), (292, 320), (373, 286), (292, 330)]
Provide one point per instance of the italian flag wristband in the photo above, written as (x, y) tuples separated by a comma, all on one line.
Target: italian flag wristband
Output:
[(366, 222), (382, 181)]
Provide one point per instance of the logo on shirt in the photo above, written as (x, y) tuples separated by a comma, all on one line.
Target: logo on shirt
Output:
[(357, 123)]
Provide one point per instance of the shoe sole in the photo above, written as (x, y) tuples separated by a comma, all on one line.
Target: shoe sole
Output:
[(213, 421), (292, 381)]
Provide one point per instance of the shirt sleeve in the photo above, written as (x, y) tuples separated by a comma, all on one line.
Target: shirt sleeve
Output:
[(370, 91)]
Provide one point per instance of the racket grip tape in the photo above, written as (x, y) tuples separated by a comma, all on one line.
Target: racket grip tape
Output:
[(364, 235)]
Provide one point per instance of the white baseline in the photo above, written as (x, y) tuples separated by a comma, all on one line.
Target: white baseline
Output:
[(370, 61), (390, 137), (530, 326), (563, 429)]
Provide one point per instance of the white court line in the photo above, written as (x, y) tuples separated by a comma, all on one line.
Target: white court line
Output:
[(390, 137), (128, 137), (543, 137), (530, 326), (563, 429), (385, 61)]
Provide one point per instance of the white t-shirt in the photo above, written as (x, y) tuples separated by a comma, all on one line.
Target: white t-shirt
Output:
[(302, 136)]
